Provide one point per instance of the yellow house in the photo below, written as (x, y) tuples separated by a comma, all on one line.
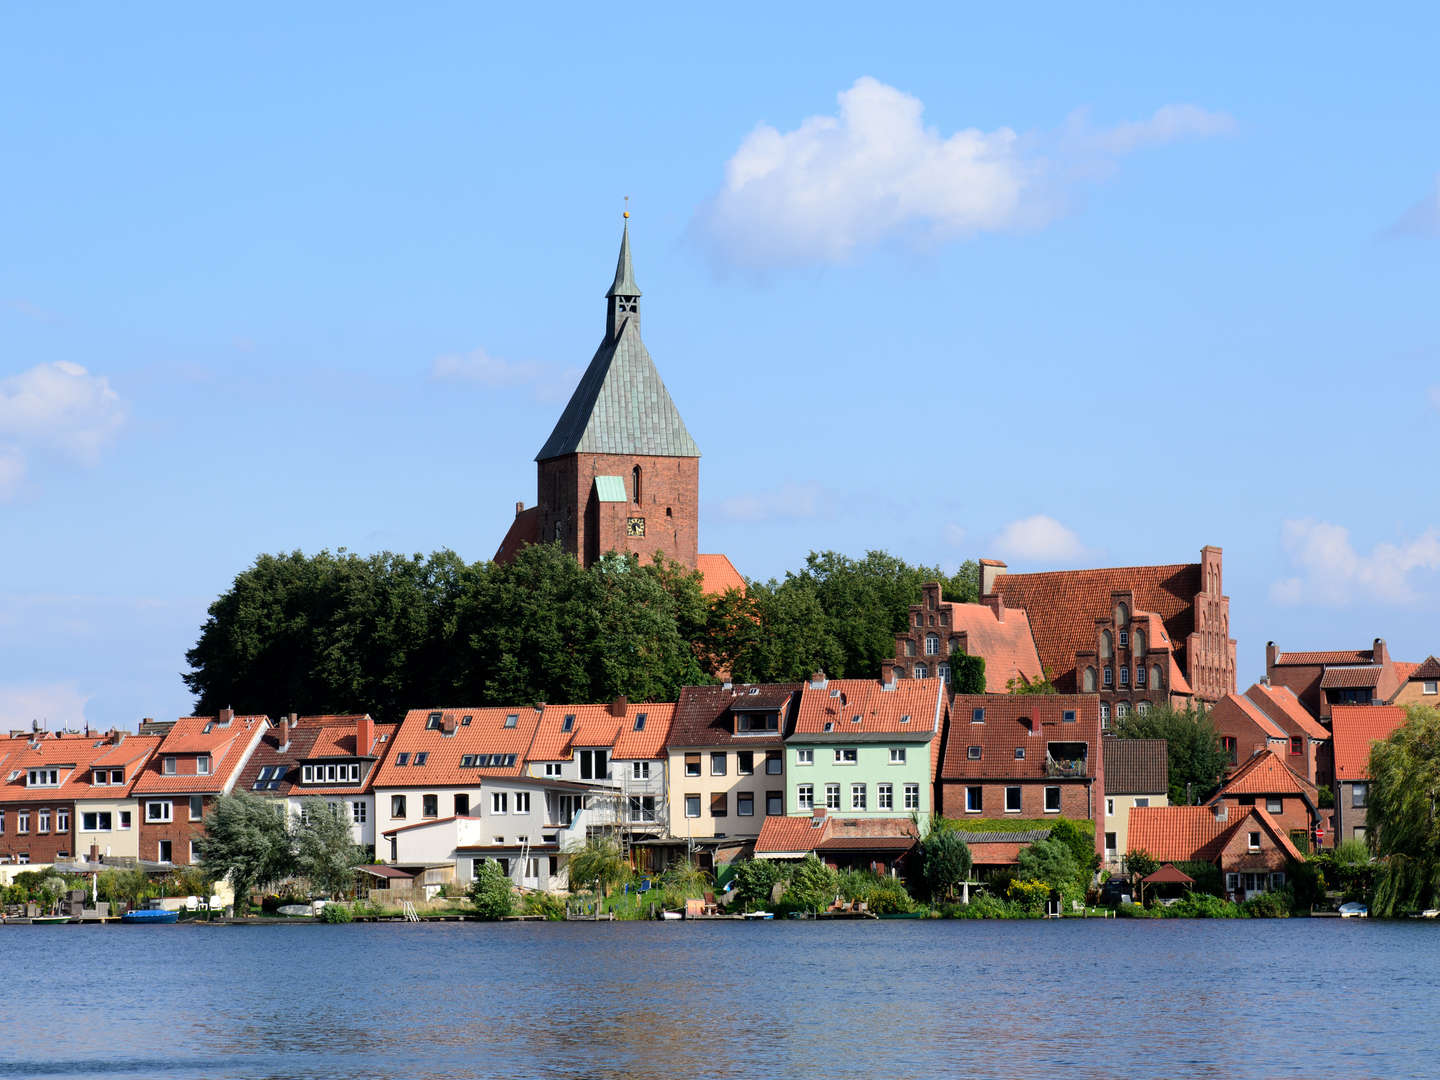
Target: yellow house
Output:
[(1421, 687), (1137, 774)]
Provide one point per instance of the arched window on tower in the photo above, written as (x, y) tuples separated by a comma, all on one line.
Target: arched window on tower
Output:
[(1107, 644), (635, 483), (1087, 683)]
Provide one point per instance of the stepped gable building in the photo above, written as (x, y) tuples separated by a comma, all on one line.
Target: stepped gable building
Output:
[(1137, 635), (938, 627), (620, 471), (1337, 676)]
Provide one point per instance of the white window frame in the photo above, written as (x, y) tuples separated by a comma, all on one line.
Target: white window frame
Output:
[(847, 755), (689, 801), (832, 796), (1058, 799), (202, 764), (974, 799), (90, 821), (522, 802), (805, 757), (719, 763), (499, 803), (358, 812), (159, 810), (859, 796), (1430, 687), (640, 770), (912, 796), (805, 797), (932, 644), (124, 824), (554, 769), (42, 820), (167, 765), (897, 755), (1252, 842), (194, 816), (22, 821), (1109, 806), (884, 796), (1271, 807)]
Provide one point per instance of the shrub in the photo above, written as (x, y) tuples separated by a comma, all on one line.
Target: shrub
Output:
[(1140, 863), (812, 885), (945, 862), (336, 913), (988, 906), (755, 879), (1031, 895), (1051, 862), (1198, 905), (490, 891), (546, 904), (1271, 905), (1080, 843)]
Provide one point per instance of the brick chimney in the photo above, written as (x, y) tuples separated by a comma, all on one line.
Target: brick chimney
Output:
[(447, 724), (887, 672), (519, 508), (364, 734), (620, 706), (1272, 656), (1382, 654), (282, 738), (227, 714), (996, 603), (1221, 811)]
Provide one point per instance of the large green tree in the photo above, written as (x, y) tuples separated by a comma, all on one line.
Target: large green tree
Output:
[(325, 852), (247, 841), (1197, 760), (1402, 821)]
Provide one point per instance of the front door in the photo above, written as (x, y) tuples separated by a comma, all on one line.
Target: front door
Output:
[(165, 850)]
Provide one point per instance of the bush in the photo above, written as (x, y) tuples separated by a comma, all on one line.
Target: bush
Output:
[(490, 891), (812, 885), (987, 906), (1140, 863), (1031, 895), (1080, 843), (1198, 905), (1051, 862), (1271, 905), (755, 879), (546, 904), (890, 897), (336, 913), (945, 862)]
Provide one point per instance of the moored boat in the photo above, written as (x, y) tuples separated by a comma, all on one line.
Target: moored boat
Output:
[(155, 915)]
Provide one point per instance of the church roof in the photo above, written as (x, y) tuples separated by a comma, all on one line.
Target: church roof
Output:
[(621, 405)]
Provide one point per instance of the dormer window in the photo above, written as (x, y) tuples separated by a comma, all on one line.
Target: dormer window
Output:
[(167, 766), (202, 764), (755, 723), (43, 778), (855, 719)]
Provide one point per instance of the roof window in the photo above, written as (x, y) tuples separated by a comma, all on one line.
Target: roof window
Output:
[(829, 725), (855, 719), (568, 724), (421, 756), (640, 721), (905, 719), (512, 719), (977, 716), (1068, 716), (465, 720), (467, 761), (432, 721), (402, 759)]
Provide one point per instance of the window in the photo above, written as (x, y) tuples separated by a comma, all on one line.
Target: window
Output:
[(42, 822), (62, 821), (1297, 744), (357, 813), (692, 806), (932, 644), (804, 757), (1109, 807), (858, 796), (422, 757), (594, 764), (499, 802), (22, 821), (1274, 806), (522, 802), (755, 723), (568, 724), (466, 719), (942, 672), (832, 796), (774, 763), (642, 808), (1067, 716), (1254, 841), (1357, 795), (202, 764), (719, 804), (974, 800), (1431, 686), (512, 719), (1122, 710), (972, 753), (462, 804), (745, 804), (897, 755), (1108, 678), (167, 766), (1019, 753), (1231, 748), (95, 821), (635, 483), (717, 763), (429, 805), (1052, 800), (1110, 844), (885, 797), (640, 721), (744, 762), (1107, 645), (1143, 708), (197, 807), (397, 806), (912, 796), (1012, 800), (846, 755), (640, 770), (402, 759), (1124, 638), (1124, 676), (692, 765), (1155, 677), (922, 671), (909, 647), (1142, 802), (774, 803), (554, 768), (432, 722), (1139, 674), (124, 820), (157, 811), (117, 776), (1104, 714), (805, 796)]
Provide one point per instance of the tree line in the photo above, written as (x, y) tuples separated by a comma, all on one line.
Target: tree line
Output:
[(339, 632)]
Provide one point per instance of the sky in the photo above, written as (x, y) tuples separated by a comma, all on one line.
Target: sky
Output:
[(1057, 287)]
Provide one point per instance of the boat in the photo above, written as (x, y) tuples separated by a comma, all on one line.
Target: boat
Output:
[(154, 915), (1353, 910), (759, 915), (49, 920), (671, 916), (1430, 913)]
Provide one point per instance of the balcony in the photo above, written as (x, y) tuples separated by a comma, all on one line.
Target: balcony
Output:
[(1065, 767)]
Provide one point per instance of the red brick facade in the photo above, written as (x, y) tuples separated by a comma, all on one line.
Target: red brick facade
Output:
[(32, 843), (179, 832), (666, 509)]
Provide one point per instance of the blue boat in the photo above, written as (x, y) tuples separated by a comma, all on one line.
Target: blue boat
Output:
[(155, 915)]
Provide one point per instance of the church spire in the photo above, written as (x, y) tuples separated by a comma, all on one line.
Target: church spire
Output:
[(623, 296)]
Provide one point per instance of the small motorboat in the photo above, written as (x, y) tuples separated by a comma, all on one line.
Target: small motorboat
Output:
[(759, 915), (671, 916), (49, 920), (1353, 910), (150, 915)]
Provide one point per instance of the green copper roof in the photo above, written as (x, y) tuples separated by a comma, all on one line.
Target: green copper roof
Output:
[(624, 284), (610, 489)]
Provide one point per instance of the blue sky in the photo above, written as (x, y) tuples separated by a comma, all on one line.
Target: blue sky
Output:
[(1063, 289)]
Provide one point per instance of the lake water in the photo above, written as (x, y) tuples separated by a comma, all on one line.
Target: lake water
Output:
[(1312, 998)]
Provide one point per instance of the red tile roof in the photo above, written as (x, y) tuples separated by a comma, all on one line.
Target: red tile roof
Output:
[(1007, 645), (787, 835), (996, 852), (1252, 712), (1136, 766), (854, 707), (780, 836), (1354, 728), (1264, 774), (485, 734), (1028, 722), (525, 529), (306, 734), (705, 715), (1281, 705), (1331, 656), (1428, 669), (596, 726), (718, 574), (1064, 604), (1193, 833), (1357, 678), (227, 744), (1404, 670), (76, 756)]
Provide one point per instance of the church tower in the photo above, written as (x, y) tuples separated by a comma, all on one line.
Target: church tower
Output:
[(619, 472)]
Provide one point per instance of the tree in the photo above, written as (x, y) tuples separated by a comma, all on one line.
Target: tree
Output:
[(967, 673), (1080, 842), (812, 885), (791, 638), (945, 862), (598, 862), (1402, 822), (1197, 760), (1050, 861), (490, 891), (246, 841), (1043, 685), (755, 880), (325, 853), (1140, 863)]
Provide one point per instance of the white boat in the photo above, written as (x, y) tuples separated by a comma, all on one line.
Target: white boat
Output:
[(671, 916), (1353, 910), (759, 915)]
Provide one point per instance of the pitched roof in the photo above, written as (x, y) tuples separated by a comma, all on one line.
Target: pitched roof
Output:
[(780, 836), (1251, 712), (1017, 724), (1404, 670), (1357, 678), (311, 738), (705, 715), (1136, 766), (1330, 656), (485, 733), (228, 744), (851, 708), (595, 726), (1064, 604), (1007, 645), (525, 529), (1194, 833), (1264, 774), (718, 574), (76, 756), (621, 405), (1354, 728), (1281, 705), (1429, 668), (1168, 875)]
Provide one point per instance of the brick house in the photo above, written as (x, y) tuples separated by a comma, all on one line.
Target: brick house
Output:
[(1137, 636), (1307, 749), (619, 471), (1355, 728), (1288, 798), (1245, 844), (1028, 757), (937, 627), (1137, 774), (1245, 729), (198, 759), (1421, 685), (1322, 680)]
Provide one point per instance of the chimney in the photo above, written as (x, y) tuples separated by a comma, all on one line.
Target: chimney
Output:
[(887, 672), (1221, 811), (519, 508), (996, 603), (364, 734), (448, 724), (1272, 655), (619, 706), (1382, 654), (990, 570), (818, 681), (227, 714), (284, 737)]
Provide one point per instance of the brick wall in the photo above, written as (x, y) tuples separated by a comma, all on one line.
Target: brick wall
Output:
[(179, 830), (1075, 799), (587, 528), (40, 847)]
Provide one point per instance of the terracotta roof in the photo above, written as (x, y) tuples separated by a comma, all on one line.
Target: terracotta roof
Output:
[(1427, 669), (75, 756), (485, 734), (1357, 678), (227, 744), (595, 726), (846, 708), (525, 529), (1168, 875), (311, 738), (797, 835), (1281, 705), (705, 715), (1193, 833), (1251, 712), (1403, 670), (718, 574), (1264, 774), (1028, 722), (1136, 766), (1354, 728), (784, 835), (1064, 604), (1007, 646), (1331, 656)]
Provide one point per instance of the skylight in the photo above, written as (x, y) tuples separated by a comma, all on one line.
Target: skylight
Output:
[(465, 720), (402, 759), (421, 756), (568, 724), (640, 721), (512, 719)]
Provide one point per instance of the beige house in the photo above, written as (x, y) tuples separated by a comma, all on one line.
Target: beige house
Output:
[(1421, 686), (1137, 775)]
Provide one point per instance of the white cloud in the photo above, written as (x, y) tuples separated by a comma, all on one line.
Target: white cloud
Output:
[(1039, 538), (839, 183), (55, 705), (545, 383), (58, 407), (790, 501), (1331, 573), (1422, 219)]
